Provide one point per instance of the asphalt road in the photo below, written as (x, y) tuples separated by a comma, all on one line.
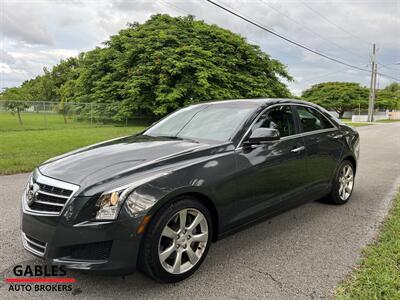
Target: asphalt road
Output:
[(301, 254)]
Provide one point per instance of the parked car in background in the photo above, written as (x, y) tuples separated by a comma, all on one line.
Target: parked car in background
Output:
[(157, 200)]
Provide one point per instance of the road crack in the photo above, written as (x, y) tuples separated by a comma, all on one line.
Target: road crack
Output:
[(282, 286)]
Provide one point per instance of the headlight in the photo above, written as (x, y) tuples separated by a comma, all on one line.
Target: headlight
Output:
[(109, 205)]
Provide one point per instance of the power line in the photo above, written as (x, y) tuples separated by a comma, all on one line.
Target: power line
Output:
[(308, 29), (334, 24), (386, 66), (388, 76), (179, 9), (285, 38), (294, 42)]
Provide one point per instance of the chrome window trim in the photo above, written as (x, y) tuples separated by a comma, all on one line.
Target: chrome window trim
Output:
[(25, 241), (40, 178), (298, 135)]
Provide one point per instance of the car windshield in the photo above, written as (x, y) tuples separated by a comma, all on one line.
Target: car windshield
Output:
[(216, 122)]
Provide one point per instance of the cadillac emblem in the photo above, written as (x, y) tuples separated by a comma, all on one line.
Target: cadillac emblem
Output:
[(31, 193)]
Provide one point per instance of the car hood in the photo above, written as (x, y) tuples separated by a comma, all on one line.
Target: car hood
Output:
[(114, 158)]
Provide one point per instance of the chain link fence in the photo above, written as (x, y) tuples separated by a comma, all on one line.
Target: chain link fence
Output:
[(20, 115)]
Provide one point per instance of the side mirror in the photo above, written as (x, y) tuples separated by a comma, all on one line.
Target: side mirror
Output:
[(262, 135)]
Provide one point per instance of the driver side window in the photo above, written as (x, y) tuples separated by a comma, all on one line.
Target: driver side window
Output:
[(279, 118)]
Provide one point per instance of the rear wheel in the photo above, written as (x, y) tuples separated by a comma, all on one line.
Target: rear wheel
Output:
[(177, 241), (343, 184)]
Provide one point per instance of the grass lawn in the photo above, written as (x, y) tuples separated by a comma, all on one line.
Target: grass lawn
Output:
[(22, 151), (354, 124), (42, 136), (35, 121), (387, 121), (378, 273)]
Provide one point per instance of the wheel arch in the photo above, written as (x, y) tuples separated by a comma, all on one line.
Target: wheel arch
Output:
[(352, 160), (204, 199)]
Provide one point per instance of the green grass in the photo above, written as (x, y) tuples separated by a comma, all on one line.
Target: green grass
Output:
[(36, 121), (22, 151), (387, 121), (43, 136), (354, 124), (378, 273)]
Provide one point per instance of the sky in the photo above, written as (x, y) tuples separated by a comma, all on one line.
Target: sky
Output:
[(38, 33)]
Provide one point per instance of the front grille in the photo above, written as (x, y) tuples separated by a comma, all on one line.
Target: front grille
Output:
[(36, 206), (33, 245), (44, 200), (54, 190), (47, 196), (92, 251)]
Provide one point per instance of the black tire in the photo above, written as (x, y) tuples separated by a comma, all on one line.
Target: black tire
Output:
[(149, 261), (334, 197)]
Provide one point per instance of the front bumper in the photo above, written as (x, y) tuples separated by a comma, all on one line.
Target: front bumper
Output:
[(94, 246)]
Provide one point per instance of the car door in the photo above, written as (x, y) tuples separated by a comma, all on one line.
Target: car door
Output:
[(270, 175), (324, 148)]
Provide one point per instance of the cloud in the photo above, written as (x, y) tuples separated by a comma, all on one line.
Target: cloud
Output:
[(24, 23), (59, 53), (5, 57), (9, 75)]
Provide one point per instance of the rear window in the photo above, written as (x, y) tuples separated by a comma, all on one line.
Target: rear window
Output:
[(312, 120)]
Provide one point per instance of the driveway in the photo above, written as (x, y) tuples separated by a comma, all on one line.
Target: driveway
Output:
[(301, 254)]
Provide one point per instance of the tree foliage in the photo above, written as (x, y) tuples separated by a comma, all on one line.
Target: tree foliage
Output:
[(338, 96), (161, 65), (14, 101), (389, 97)]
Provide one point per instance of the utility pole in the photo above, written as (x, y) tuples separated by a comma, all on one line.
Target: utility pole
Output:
[(372, 87), (374, 94)]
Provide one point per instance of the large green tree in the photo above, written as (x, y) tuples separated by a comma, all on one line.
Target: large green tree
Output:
[(338, 96), (163, 64), (389, 97)]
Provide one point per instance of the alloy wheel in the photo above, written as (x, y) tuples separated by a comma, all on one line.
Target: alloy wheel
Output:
[(346, 182), (183, 241)]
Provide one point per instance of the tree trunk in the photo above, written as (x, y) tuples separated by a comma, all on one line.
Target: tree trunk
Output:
[(19, 117), (65, 118), (340, 113)]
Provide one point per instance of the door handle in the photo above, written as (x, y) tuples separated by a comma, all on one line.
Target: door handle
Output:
[(298, 149)]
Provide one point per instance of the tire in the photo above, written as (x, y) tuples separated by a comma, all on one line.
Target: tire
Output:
[(343, 184), (163, 249)]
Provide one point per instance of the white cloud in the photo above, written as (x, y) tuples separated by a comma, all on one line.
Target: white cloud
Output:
[(6, 57), (24, 23), (9, 75), (59, 53)]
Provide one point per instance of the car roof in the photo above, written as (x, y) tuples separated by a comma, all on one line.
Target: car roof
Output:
[(261, 102)]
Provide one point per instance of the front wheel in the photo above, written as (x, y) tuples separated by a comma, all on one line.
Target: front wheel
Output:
[(177, 241), (343, 184)]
